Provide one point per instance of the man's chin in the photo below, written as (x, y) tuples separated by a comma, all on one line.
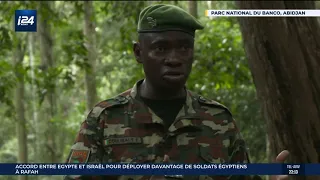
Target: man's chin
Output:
[(174, 82)]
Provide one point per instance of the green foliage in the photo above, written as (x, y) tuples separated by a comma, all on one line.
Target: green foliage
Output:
[(46, 81), (5, 38), (7, 82)]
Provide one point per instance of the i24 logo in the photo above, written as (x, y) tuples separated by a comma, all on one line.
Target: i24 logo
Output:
[(25, 20)]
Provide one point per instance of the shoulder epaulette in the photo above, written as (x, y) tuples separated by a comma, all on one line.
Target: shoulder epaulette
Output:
[(213, 103), (96, 111)]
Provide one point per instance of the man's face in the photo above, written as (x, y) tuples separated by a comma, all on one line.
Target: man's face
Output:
[(166, 57)]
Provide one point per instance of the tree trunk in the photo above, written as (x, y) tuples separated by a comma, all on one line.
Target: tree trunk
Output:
[(268, 153), (46, 48), (19, 106), (318, 7), (33, 94), (90, 43), (317, 4), (209, 4), (193, 8), (283, 55)]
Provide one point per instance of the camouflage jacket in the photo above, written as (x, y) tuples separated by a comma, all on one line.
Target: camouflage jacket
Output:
[(124, 129)]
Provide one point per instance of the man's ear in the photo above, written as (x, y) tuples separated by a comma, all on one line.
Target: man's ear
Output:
[(137, 51)]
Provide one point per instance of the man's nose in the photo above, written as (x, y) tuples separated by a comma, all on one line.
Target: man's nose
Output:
[(173, 60)]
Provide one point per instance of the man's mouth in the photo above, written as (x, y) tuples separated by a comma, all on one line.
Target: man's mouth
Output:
[(173, 73), (173, 76)]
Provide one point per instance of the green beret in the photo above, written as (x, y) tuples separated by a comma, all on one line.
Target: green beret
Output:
[(161, 17)]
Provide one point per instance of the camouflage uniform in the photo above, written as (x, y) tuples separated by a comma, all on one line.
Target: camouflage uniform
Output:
[(123, 129)]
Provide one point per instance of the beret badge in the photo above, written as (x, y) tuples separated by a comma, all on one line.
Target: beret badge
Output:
[(152, 22)]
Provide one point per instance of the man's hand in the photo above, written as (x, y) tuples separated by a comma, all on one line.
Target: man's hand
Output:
[(280, 159)]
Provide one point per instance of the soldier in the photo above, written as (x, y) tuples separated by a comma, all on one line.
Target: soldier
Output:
[(159, 119)]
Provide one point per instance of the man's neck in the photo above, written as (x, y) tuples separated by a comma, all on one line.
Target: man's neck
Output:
[(150, 92)]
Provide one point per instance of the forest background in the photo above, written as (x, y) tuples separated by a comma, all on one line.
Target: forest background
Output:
[(82, 54)]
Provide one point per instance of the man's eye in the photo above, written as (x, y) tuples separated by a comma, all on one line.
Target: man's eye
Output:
[(160, 49), (184, 48)]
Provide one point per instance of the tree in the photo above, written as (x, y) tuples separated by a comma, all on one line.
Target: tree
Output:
[(18, 56), (283, 55), (90, 43), (32, 88), (193, 8), (47, 66)]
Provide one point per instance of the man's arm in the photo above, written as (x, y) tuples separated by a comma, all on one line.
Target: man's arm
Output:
[(88, 146), (239, 154), (238, 151)]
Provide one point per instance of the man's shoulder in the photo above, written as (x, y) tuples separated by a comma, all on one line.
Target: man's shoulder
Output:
[(119, 100), (209, 103)]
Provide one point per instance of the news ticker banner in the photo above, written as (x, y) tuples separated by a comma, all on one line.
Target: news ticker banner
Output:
[(264, 13), (159, 169)]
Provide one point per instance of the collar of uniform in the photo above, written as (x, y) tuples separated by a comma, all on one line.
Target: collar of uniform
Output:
[(144, 114), (183, 118), (187, 116), (134, 90), (134, 93)]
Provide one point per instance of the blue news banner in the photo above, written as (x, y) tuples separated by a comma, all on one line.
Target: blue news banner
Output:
[(159, 169)]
